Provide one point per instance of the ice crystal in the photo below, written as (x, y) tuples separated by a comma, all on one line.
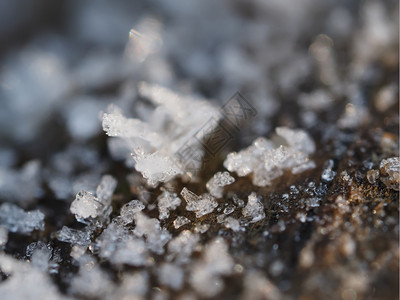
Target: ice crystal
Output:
[(254, 209), (390, 172), (216, 261), (167, 201), (86, 205), (73, 236), (129, 210), (201, 205), (180, 221), (158, 149), (217, 182), (232, 223), (39, 254), (267, 161), (181, 247), (15, 219)]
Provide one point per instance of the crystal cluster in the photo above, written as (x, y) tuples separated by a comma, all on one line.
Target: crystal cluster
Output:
[(216, 184), (15, 219), (201, 205), (267, 160)]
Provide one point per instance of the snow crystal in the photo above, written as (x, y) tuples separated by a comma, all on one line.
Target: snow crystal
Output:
[(129, 210), (267, 161), (15, 219), (180, 221), (86, 205), (171, 276), (229, 209), (167, 201), (232, 223), (390, 172), (39, 254), (202, 205), (181, 247), (217, 182), (36, 284), (254, 209), (156, 237), (328, 174), (158, 143), (216, 261), (201, 228), (73, 236)]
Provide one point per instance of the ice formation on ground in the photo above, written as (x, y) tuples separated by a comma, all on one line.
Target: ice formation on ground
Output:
[(267, 160), (86, 205), (216, 261), (253, 209), (15, 219), (168, 141), (216, 184), (201, 205)]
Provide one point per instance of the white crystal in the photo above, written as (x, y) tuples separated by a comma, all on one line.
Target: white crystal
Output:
[(39, 254), (232, 223), (268, 161), (217, 182), (181, 247), (202, 205), (73, 236), (216, 261), (254, 209), (86, 205), (390, 172), (167, 201), (129, 210), (180, 221), (15, 219)]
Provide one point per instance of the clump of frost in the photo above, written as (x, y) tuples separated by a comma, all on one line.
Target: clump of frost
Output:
[(86, 205), (156, 237), (15, 219), (129, 210), (73, 236), (216, 184), (159, 142), (133, 286), (201, 205), (167, 201), (3, 236), (232, 224), (181, 247), (171, 276), (36, 283), (254, 209), (28, 177), (39, 254), (216, 261), (180, 221), (390, 172), (267, 160)]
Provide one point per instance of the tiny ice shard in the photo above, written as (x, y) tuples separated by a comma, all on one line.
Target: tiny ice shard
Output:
[(328, 174), (129, 210), (202, 205), (86, 205), (232, 223), (73, 236), (171, 275), (267, 160), (180, 221), (167, 201), (216, 261), (390, 172), (39, 254), (254, 209), (217, 182), (15, 219)]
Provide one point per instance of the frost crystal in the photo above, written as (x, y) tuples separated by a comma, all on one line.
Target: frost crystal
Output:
[(73, 236), (180, 221), (129, 210), (158, 142), (167, 201), (254, 209), (202, 205), (217, 182), (39, 254), (181, 247), (216, 261), (86, 205), (267, 161), (390, 172), (15, 219), (232, 223)]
